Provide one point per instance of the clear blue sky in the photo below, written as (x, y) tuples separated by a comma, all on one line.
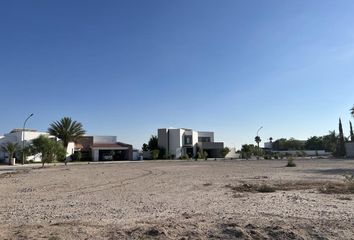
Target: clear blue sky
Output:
[(126, 68)]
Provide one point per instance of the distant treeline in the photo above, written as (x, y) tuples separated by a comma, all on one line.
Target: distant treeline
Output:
[(326, 142)]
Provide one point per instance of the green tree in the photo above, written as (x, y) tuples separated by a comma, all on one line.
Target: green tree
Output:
[(248, 149), (314, 143), (351, 132), (225, 151), (330, 141), (341, 142), (66, 130), (257, 139), (153, 143), (352, 111), (293, 144), (10, 149), (50, 149), (145, 147)]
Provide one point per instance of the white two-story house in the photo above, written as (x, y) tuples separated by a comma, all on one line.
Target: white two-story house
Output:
[(181, 141)]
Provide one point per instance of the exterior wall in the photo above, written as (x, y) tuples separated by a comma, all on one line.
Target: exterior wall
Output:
[(147, 155), (211, 145), (95, 155), (136, 155), (207, 134), (213, 148), (349, 147), (162, 138), (104, 139), (175, 142), (86, 142), (70, 149)]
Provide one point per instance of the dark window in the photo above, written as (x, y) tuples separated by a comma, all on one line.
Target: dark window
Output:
[(204, 139), (187, 139)]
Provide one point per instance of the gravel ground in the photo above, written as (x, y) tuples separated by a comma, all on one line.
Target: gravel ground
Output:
[(176, 200)]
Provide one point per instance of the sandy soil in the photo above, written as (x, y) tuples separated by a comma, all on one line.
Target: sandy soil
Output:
[(176, 200)]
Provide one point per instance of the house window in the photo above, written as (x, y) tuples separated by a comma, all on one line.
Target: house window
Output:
[(187, 139), (203, 139)]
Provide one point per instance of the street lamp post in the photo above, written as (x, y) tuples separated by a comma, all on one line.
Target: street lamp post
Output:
[(259, 130), (23, 138), (257, 137)]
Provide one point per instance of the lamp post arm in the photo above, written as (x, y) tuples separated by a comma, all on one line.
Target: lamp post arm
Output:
[(23, 138)]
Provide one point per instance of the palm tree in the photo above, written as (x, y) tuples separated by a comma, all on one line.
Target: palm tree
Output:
[(352, 111), (258, 140), (10, 148), (67, 130)]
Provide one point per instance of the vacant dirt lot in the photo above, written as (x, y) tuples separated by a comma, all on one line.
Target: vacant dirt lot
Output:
[(177, 200)]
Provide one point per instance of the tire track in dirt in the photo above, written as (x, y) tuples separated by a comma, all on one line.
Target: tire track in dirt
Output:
[(116, 184)]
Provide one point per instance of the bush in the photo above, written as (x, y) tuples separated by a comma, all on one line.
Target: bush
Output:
[(291, 163), (155, 154), (264, 188), (184, 157), (205, 155), (349, 181), (77, 156)]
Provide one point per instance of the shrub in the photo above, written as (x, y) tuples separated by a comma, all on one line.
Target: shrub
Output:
[(349, 180), (155, 154), (264, 188), (291, 163), (205, 155), (77, 156), (184, 157)]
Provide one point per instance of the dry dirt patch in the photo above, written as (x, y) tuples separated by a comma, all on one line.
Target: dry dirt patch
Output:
[(176, 200)]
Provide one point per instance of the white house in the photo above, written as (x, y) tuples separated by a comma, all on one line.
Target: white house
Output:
[(181, 141), (18, 136), (103, 148)]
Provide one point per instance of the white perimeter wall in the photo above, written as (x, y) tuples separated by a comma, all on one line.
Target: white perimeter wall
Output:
[(349, 147)]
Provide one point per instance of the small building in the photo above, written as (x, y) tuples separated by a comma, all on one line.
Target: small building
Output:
[(103, 148), (181, 141)]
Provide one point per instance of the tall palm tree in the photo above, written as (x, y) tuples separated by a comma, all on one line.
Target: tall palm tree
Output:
[(258, 140), (67, 130), (352, 111), (10, 148)]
